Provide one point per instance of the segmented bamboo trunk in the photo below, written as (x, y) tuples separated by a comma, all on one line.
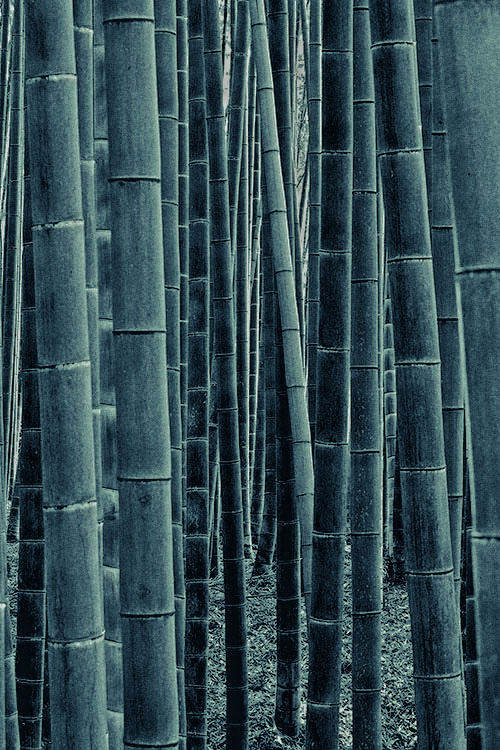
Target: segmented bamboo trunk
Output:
[(443, 240), (109, 490), (75, 625), (267, 537), (5, 63), (12, 253), (473, 717), (227, 395), (287, 708), (242, 304), (84, 35), (366, 498), (469, 51), (197, 515), (423, 35), (283, 270), (390, 419), (429, 566), (240, 41), (314, 110), (166, 68), (143, 435), (31, 615), (182, 86), (333, 391), (258, 486)]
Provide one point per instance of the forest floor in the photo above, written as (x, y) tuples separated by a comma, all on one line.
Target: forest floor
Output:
[(398, 717)]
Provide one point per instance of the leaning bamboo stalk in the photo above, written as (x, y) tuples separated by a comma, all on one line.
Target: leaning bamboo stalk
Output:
[(75, 625), (443, 239), (429, 566), (13, 243), (469, 53), (423, 36), (276, 206), (147, 607)]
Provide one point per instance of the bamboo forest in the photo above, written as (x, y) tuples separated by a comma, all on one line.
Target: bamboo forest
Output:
[(250, 374)]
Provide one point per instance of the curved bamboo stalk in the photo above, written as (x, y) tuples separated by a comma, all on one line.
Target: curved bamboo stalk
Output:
[(143, 433), (333, 391), (366, 498), (469, 52), (429, 566), (75, 626)]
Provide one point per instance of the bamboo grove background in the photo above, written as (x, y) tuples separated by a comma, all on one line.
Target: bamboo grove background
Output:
[(250, 319)]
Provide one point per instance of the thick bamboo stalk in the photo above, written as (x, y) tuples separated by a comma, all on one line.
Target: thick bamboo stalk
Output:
[(143, 435), (333, 388), (429, 566), (227, 395), (469, 52), (283, 270), (75, 624), (366, 497)]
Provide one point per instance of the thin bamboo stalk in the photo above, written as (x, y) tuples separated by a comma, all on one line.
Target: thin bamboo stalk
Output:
[(227, 395), (197, 512), (366, 497)]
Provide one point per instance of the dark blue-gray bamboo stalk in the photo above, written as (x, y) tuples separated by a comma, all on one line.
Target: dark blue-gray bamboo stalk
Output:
[(429, 564), (75, 623), (469, 53), (366, 496)]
